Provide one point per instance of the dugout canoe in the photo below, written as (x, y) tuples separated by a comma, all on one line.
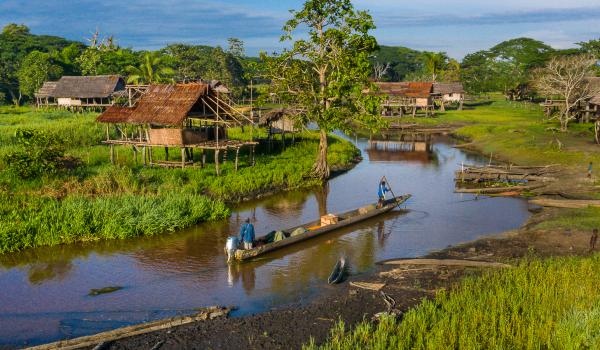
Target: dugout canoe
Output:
[(314, 229)]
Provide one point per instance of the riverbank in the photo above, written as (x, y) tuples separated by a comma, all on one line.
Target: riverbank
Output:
[(538, 249), (94, 200)]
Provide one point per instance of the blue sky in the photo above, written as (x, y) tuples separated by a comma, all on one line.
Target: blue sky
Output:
[(457, 27)]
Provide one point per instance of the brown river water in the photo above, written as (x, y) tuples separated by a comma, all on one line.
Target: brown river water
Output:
[(44, 292)]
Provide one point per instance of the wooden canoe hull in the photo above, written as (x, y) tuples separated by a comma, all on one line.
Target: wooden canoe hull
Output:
[(349, 218)]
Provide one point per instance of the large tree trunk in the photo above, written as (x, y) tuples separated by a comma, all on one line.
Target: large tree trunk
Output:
[(321, 168)]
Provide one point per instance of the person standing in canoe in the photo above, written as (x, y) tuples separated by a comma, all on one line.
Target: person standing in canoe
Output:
[(383, 189), (247, 234)]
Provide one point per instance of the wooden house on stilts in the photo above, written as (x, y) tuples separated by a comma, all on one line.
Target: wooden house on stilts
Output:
[(185, 116), (406, 98)]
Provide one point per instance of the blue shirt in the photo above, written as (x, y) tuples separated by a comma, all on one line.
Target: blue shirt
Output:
[(247, 233), (382, 190)]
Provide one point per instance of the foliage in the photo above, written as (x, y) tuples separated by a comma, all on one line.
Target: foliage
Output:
[(402, 61), (27, 222), (551, 304), (39, 153), (106, 61), (325, 75), (504, 66), (16, 42), (152, 70), (236, 47), (37, 67)]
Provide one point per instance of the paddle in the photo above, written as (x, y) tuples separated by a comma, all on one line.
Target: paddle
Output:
[(389, 186)]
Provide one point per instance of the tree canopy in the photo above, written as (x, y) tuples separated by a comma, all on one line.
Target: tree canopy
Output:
[(324, 74)]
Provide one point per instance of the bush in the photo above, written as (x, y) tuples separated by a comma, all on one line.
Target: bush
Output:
[(39, 153)]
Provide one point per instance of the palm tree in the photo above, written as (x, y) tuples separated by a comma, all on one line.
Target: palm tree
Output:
[(151, 70), (434, 63)]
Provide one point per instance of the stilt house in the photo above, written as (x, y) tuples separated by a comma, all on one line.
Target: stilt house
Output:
[(44, 96), (447, 93), (91, 91), (186, 116), (406, 97)]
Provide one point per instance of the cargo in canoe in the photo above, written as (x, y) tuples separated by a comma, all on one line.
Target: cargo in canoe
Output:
[(314, 229)]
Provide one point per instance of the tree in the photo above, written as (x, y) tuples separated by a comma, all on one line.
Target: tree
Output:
[(325, 74), (567, 77), (434, 63), (592, 47), (35, 70), (151, 70), (236, 47), (15, 29)]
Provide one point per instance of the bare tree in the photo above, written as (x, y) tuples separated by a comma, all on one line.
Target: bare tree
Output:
[(567, 77), (380, 70)]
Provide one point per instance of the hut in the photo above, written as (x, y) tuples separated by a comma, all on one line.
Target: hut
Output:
[(44, 96), (406, 97), (92, 91), (448, 93), (186, 116), (280, 121)]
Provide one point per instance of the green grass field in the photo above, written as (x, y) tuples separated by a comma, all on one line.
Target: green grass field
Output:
[(551, 304), (127, 199)]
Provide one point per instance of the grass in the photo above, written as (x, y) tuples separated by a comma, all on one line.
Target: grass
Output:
[(575, 219), (550, 304), (517, 131), (102, 201)]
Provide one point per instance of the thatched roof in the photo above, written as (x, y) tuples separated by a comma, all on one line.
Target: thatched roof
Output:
[(46, 90), (167, 104), (101, 86), (275, 115), (448, 88), (115, 114), (412, 89), (595, 87)]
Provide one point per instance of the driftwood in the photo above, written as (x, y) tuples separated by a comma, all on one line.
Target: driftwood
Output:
[(495, 190), (367, 285), (446, 262), (105, 337), (566, 203)]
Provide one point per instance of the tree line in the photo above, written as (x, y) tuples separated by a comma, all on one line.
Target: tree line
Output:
[(28, 60)]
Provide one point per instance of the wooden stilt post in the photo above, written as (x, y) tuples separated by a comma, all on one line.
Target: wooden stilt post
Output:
[(203, 158), (150, 155), (144, 155), (237, 156), (225, 156), (183, 157), (217, 162), (252, 155), (191, 154), (112, 154), (167, 154), (135, 153)]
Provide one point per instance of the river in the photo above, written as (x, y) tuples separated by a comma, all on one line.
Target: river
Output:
[(44, 292)]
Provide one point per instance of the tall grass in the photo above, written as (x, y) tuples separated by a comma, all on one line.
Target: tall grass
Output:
[(551, 304), (27, 222)]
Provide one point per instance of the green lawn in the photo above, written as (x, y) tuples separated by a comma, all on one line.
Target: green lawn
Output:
[(551, 304), (102, 201)]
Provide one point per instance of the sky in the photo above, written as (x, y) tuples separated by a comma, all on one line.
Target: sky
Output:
[(457, 27)]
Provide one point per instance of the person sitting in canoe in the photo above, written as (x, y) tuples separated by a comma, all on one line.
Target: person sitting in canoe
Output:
[(383, 189), (247, 235)]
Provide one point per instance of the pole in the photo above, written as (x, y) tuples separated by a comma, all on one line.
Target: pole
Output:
[(390, 187)]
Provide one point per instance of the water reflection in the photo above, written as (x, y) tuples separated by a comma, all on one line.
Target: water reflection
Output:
[(45, 290)]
